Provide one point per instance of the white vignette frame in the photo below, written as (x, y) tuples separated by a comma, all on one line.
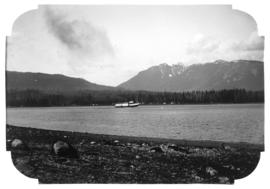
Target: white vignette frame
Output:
[(12, 9)]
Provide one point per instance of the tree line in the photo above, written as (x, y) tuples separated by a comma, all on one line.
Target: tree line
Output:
[(36, 98)]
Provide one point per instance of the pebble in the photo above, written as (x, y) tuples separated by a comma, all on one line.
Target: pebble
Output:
[(22, 160), (144, 145), (195, 150), (22, 164), (228, 148), (156, 149), (211, 171), (224, 180), (198, 179), (231, 167), (173, 147)]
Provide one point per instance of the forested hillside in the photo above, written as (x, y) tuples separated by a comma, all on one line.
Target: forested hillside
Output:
[(33, 98)]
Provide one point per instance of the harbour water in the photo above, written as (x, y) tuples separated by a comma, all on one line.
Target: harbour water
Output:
[(221, 122)]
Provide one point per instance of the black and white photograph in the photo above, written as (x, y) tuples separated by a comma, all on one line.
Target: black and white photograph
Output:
[(135, 94)]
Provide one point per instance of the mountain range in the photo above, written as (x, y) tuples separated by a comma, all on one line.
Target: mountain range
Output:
[(49, 82), (216, 75)]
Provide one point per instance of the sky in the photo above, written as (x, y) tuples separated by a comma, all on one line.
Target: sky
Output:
[(110, 44)]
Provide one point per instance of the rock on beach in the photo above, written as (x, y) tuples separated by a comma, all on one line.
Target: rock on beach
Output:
[(64, 149), (18, 144)]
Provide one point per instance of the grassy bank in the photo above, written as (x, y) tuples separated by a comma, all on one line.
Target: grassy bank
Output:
[(123, 159)]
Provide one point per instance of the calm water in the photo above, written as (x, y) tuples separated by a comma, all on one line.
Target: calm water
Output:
[(232, 123)]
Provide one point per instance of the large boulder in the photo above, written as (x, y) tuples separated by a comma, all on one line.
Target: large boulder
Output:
[(64, 149)]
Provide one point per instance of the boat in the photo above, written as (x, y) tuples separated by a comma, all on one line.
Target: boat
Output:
[(130, 104)]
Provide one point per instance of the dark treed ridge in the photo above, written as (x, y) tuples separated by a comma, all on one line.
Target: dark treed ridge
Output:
[(36, 98)]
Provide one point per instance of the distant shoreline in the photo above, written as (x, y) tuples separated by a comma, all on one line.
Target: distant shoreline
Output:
[(262, 103), (37, 98)]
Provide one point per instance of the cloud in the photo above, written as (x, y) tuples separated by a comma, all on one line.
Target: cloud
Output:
[(79, 36), (202, 44), (207, 48), (253, 43)]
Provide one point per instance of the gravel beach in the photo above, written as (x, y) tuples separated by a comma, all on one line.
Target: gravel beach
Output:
[(125, 159)]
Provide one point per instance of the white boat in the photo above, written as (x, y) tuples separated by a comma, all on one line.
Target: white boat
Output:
[(126, 104)]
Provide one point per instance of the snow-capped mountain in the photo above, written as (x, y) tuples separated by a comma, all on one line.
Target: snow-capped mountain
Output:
[(216, 75)]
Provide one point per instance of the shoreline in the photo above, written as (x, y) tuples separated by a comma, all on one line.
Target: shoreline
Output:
[(124, 159), (154, 140), (112, 105)]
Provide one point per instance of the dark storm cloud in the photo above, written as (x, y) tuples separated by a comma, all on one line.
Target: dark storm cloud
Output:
[(78, 35)]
